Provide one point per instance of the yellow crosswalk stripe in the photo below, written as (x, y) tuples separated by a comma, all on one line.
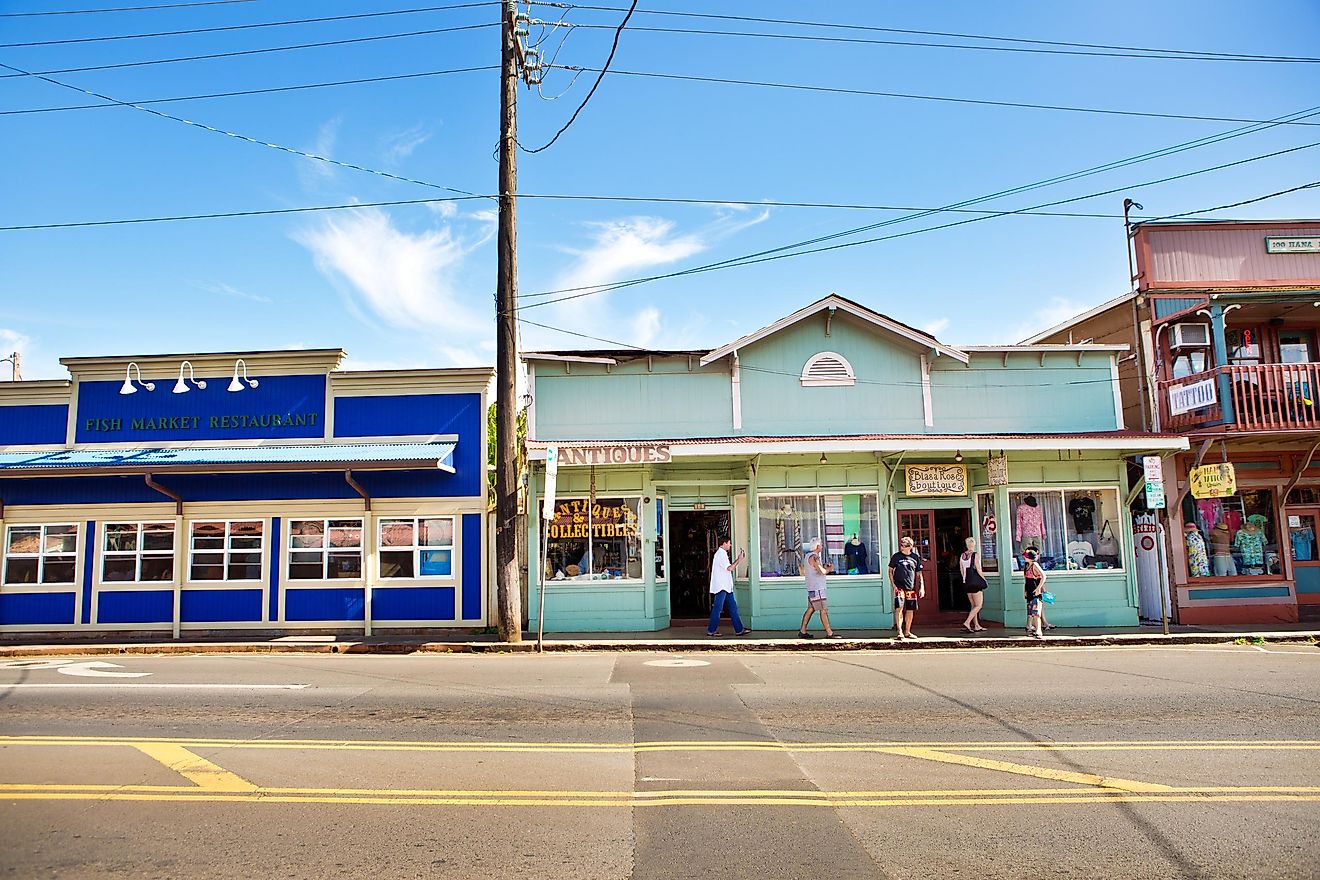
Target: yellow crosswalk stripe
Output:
[(195, 768), (1027, 770)]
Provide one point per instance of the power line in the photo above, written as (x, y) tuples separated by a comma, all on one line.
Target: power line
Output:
[(1282, 192), (242, 137), (916, 97), (244, 27), (613, 48), (867, 41), (265, 91), (778, 253), (243, 52), (121, 9), (889, 30)]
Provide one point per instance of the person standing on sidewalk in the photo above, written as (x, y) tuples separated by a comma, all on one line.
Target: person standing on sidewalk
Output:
[(1034, 576), (909, 585), (721, 589), (814, 571), (974, 584)]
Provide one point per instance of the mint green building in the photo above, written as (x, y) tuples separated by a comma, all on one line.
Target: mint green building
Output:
[(839, 423)]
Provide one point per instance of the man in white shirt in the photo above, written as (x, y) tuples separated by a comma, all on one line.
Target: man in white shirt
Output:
[(721, 589)]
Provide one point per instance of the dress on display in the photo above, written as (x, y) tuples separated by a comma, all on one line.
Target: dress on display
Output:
[(1198, 564)]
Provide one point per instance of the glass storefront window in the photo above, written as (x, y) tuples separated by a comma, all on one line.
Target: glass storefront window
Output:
[(987, 531), (226, 551), (1235, 536), (1301, 537), (846, 523), (325, 549), (1071, 529), (137, 552), (600, 541), (416, 547), (659, 539), (41, 554), (1243, 345)]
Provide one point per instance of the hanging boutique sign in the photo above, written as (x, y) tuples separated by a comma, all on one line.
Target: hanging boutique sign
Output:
[(996, 468), (936, 479), (1213, 481), (622, 454)]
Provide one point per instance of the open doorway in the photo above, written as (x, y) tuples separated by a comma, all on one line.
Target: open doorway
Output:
[(694, 537), (952, 528)]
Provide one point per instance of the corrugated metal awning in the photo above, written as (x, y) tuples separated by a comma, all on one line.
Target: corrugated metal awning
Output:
[(223, 459)]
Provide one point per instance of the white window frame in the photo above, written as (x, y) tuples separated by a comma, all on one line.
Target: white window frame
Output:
[(325, 549), (1117, 528), (136, 555), (452, 547), (811, 381), (40, 555), (227, 551), (818, 494)]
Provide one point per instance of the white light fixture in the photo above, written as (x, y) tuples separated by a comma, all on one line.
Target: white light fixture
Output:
[(128, 387), (235, 384), (823, 459), (181, 386), (957, 456)]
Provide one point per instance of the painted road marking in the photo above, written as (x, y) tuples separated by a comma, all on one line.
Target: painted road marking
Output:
[(90, 668), (195, 768), (677, 662), (156, 685), (1026, 770)]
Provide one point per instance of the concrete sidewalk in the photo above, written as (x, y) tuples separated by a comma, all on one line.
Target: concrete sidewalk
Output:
[(677, 639)]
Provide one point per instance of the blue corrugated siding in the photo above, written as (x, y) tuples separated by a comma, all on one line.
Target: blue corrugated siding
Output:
[(1165, 307), (422, 414), (220, 606), (135, 606), (37, 423), (472, 560), (412, 603), (327, 604), (106, 416), (17, 609)]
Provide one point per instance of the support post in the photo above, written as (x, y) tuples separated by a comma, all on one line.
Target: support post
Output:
[(1225, 384), (507, 594)]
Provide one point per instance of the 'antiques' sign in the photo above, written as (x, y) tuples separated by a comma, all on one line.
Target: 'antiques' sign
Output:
[(1213, 481), (573, 519), (1275, 244), (622, 454), (936, 479), (997, 469)]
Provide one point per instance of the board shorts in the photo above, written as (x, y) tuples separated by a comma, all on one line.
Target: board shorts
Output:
[(905, 600), (820, 603)]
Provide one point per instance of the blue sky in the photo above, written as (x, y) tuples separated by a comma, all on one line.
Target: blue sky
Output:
[(413, 286)]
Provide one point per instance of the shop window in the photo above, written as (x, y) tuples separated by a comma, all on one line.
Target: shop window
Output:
[(846, 523), (1303, 495), (417, 547), (659, 539), (137, 552), (226, 551), (1296, 347), (1185, 362), (987, 531), (41, 554), (1301, 537), (1235, 536), (597, 541), (1071, 529), (325, 549), (1243, 346)]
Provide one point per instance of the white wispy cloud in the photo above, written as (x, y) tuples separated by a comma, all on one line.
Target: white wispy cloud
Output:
[(1056, 311), (627, 245), (936, 326), (229, 290), (407, 280), (313, 172), (33, 364), (399, 145)]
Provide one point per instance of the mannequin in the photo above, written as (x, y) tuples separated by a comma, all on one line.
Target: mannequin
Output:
[(1221, 552), (854, 555), (1198, 565), (1250, 542)]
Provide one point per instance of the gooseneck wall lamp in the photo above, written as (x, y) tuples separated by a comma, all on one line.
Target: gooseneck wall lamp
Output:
[(128, 387), (181, 386), (235, 384)]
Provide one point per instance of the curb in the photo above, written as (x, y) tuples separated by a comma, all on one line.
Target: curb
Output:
[(767, 645)]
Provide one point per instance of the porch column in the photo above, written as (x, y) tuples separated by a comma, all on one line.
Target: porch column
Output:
[(1225, 385)]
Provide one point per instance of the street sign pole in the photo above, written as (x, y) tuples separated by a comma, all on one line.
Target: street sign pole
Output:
[(547, 517)]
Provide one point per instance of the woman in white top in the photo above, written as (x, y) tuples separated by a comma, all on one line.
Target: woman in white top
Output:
[(974, 583)]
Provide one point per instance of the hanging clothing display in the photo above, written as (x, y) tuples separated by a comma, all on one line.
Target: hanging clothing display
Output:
[(1030, 521), (1250, 542), (1198, 564), (854, 555), (1082, 511)]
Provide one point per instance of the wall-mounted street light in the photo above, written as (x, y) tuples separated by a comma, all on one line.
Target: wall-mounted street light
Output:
[(128, 387), (181, 386), (235, 384)]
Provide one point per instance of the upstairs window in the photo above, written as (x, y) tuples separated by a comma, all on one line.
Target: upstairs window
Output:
[(828, 368)]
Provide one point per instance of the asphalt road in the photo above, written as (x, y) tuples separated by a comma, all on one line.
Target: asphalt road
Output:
[(1057, 762)]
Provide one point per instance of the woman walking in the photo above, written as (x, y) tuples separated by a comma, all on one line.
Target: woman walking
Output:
[(974, 583), (1035, 585)]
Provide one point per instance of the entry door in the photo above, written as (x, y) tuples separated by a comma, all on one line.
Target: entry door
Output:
[(919, 525), (1303, 542)]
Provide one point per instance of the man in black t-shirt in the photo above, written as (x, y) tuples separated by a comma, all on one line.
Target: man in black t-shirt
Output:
[(909, 585)]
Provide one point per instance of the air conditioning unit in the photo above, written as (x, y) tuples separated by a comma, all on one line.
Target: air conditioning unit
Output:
[(1190, 336)]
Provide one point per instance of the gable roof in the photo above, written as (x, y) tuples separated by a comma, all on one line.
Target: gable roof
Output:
[(861, 312)]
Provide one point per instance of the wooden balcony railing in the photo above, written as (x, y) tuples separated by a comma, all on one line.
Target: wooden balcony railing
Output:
[(1267, 397)]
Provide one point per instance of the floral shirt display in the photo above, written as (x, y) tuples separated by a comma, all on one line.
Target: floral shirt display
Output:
[(1251, 543), (1198, 564)]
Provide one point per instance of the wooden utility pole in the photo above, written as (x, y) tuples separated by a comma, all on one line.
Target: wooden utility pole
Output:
[(508, 596)]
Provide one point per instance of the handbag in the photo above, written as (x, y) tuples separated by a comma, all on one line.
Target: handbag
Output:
[(972, 579), (1107, 544), (1047, 597)]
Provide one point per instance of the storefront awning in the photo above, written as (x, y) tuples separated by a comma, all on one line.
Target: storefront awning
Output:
[(228, 459)]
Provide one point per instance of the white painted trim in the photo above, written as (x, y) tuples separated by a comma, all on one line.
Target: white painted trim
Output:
[(927, 408), (915, 445), (809, 381), (1118, 393), (208, 365), (735, 378), (838, 302), (567, 358), (36, 392), (1089, 346), (531, 407)]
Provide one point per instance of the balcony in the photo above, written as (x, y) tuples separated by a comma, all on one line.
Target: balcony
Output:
[(1266, 397)]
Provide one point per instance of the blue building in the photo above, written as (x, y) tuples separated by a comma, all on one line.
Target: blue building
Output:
[(243, 491), (838, 423)]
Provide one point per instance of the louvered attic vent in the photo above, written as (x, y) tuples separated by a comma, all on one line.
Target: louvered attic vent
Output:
[(828, 368)]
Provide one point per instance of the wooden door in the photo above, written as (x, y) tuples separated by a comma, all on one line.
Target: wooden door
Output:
[(919, 525), (1302, 537)]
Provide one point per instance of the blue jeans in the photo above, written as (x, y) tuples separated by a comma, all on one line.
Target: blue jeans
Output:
[(717, 603)]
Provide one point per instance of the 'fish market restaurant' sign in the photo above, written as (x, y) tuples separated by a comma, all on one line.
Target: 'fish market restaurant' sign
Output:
[(193, 423)]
